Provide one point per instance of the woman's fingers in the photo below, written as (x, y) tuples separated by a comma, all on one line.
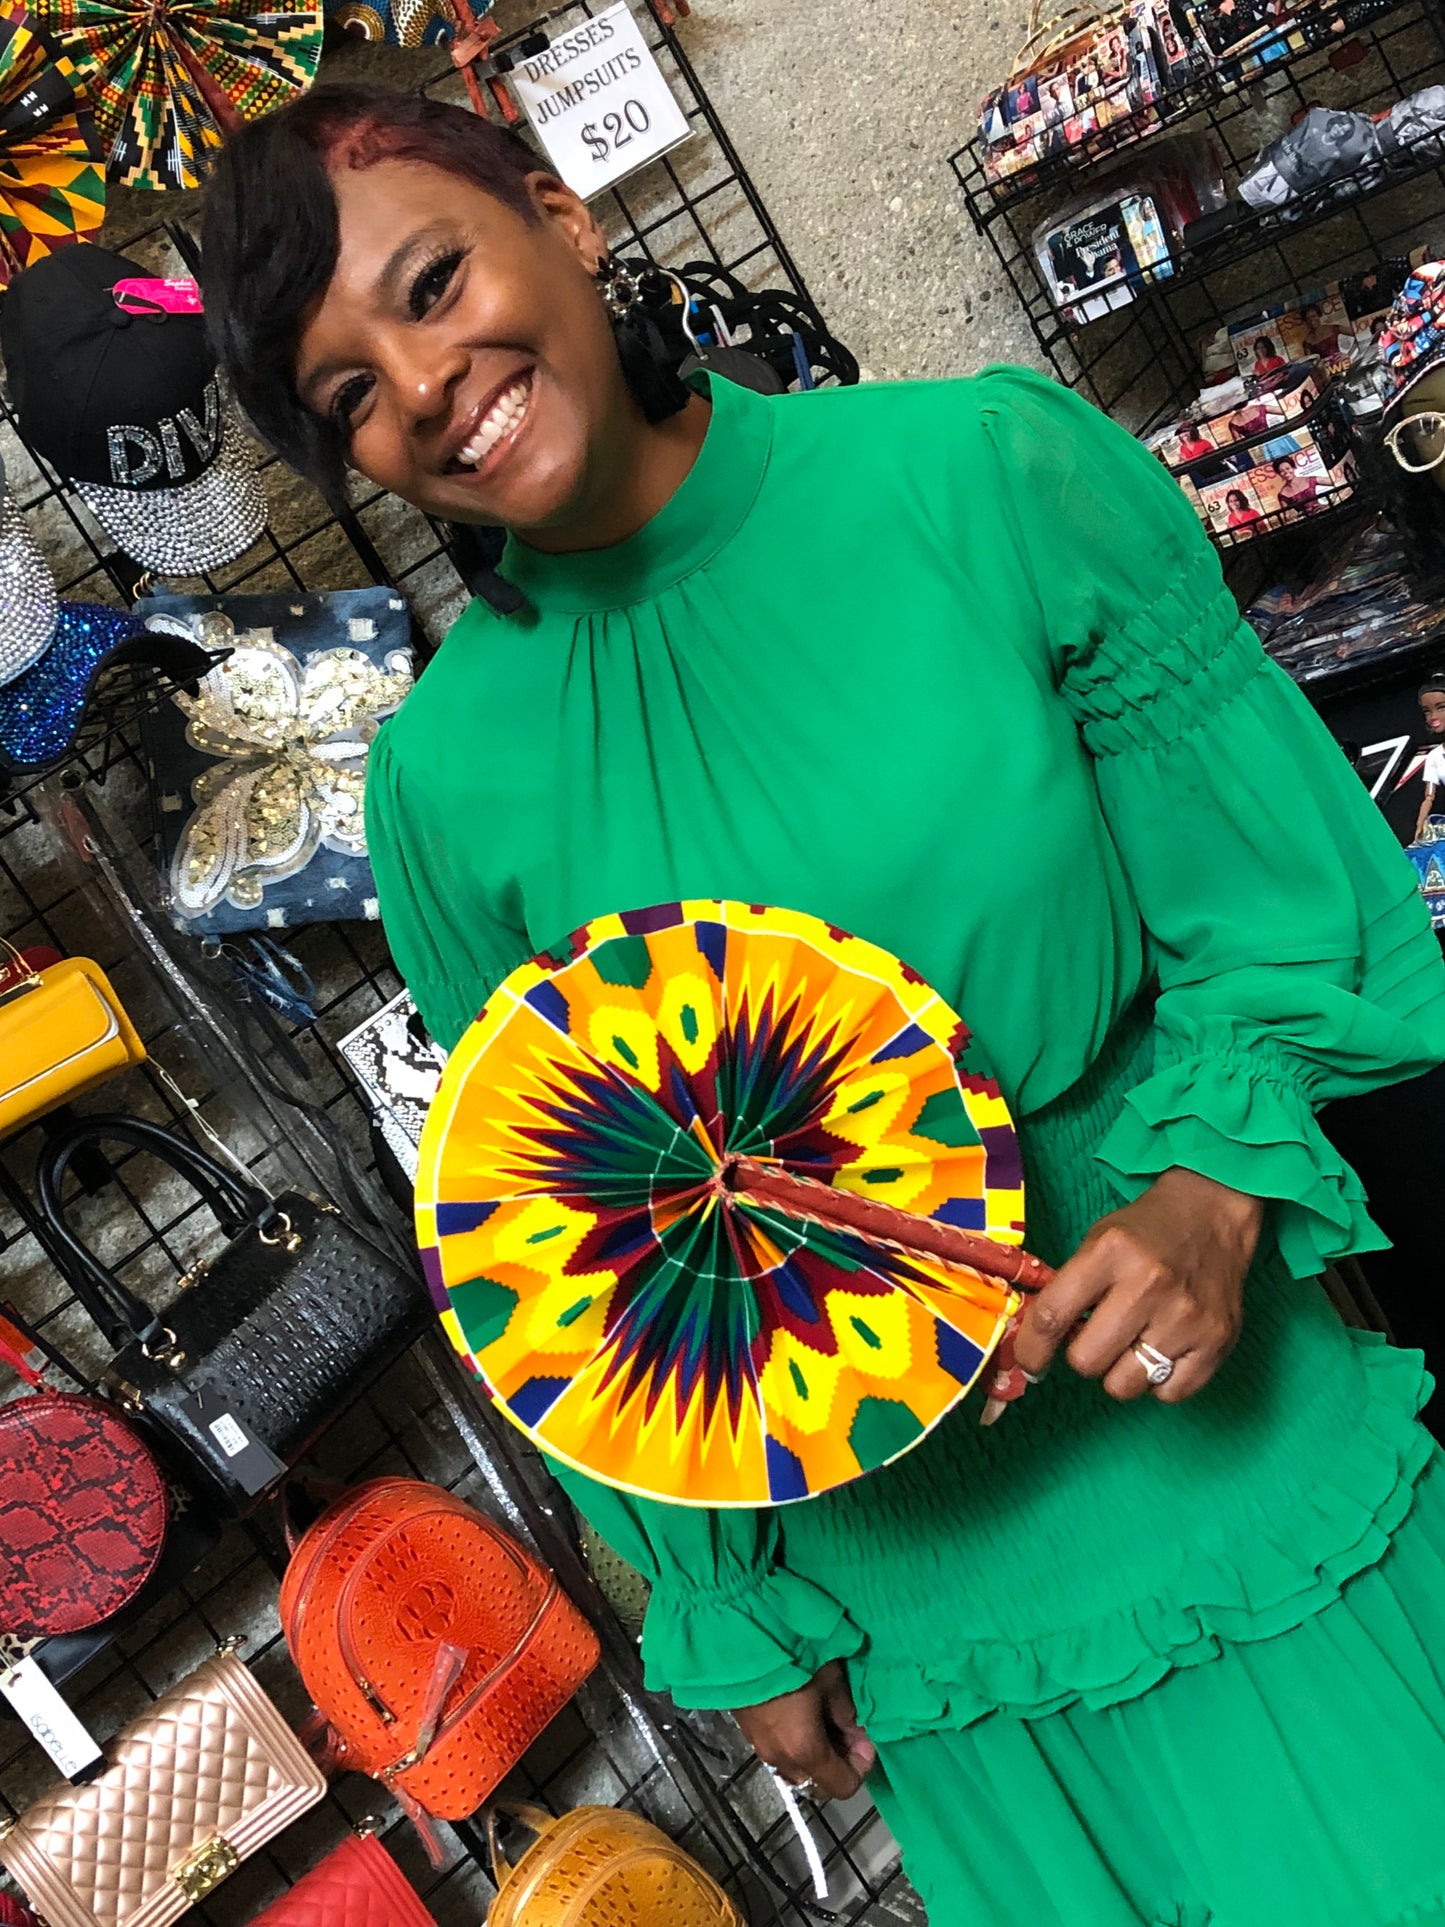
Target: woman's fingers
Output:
[(1052, 1315), (842, 1717), (793, 1734), (1116, 1293)]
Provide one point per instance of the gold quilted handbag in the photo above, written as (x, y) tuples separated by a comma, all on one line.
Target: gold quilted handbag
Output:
[(202, 1780), (601, 1867)]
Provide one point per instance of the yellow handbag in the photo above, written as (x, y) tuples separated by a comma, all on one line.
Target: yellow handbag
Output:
[(597, 1867), (63, 1030)]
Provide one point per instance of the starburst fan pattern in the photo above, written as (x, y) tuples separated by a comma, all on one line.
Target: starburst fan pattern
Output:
[(620, 1312)]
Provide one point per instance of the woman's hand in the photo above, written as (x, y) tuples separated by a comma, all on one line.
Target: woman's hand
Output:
[(1167, 1270), (812, 1734)]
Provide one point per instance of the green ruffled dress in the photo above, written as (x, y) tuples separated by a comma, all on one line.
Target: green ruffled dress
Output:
[(953, 666)]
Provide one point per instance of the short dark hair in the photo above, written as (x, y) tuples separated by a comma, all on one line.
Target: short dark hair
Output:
[(1433, 685), (270, 236), (1264, 341)]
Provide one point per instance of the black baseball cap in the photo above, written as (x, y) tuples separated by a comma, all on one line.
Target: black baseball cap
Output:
[(128, 406)]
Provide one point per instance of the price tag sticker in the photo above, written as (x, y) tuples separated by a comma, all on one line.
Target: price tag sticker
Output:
[(51, 1721), (228, 1435), (599, 103)]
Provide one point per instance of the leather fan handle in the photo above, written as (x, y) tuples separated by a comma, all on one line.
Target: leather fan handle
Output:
[(537, 1818), (810, 1201)]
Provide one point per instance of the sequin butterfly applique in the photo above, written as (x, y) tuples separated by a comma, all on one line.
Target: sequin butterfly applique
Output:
[(290, 738)]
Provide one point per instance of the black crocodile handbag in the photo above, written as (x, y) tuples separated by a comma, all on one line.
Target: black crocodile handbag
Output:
[(266, 1341)]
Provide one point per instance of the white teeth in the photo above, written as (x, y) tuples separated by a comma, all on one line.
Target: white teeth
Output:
[(500, 419)]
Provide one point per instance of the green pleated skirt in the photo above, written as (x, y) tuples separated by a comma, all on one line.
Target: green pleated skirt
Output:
[(1297, 1781)]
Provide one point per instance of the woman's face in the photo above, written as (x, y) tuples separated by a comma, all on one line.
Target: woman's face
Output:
[(464, 351), (1432, 703)]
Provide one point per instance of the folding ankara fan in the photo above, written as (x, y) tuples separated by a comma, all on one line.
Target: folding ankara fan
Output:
[(710, 1206)]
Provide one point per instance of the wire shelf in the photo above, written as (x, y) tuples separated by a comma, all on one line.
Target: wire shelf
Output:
[(1314, 28), (77, 872), (1141, 361)]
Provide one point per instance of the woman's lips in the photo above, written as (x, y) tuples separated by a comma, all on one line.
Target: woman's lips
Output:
[(496, 434)]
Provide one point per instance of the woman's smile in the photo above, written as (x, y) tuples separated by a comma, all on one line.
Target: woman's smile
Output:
[(490, 432)]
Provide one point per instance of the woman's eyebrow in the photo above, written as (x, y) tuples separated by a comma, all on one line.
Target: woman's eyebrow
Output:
[(387, 288)]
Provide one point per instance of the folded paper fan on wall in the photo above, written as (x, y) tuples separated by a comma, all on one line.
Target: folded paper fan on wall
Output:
[(169, 79), (711, 1206), (393, 23), (52, 186)]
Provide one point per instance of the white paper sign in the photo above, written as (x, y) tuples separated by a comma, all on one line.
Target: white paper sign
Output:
[(598, 102)]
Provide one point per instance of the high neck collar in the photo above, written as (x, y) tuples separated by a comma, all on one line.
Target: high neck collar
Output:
[(706, 511)]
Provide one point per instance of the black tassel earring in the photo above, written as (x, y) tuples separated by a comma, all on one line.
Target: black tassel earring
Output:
[(644, 319)]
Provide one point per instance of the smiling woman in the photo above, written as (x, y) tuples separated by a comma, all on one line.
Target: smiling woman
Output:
[(460, 356), (930, 663)]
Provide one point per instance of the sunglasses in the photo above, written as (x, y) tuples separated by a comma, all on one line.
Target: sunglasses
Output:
[(1418, 442)]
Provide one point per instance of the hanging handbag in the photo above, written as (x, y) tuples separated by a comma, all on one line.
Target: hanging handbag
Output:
[(598, 1865), (358, 1884), (434, 1645), (204, 1778), (83, 1513), (63, 1030), (266, 1342)]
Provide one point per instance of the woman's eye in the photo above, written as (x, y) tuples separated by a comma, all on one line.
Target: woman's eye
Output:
[(348, 398), (432, 283)]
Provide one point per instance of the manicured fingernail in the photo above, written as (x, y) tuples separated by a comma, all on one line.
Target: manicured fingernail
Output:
[(992, 1412)]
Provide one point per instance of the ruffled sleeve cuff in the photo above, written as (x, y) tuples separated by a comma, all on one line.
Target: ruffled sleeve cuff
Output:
[(1244, 1120), (718, 1650)]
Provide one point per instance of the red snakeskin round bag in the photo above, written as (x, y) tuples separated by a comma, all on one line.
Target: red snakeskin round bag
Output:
[(82, 1513)]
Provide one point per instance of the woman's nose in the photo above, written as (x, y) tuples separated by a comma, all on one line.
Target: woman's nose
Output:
[(425, 374)]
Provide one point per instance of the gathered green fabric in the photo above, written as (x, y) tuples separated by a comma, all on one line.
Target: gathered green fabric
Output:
[(1295, 1782), (952, 666)]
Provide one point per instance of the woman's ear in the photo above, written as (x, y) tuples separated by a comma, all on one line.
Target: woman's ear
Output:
[(570, 217)]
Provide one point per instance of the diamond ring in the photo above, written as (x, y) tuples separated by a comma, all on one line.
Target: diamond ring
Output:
[(1158, 1365)]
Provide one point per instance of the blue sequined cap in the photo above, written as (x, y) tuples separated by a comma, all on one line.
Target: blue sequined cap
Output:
[(41, 711)]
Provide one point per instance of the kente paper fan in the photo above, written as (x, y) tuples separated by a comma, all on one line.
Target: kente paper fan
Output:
[(665, 1191), (169, 79), (52, 186)]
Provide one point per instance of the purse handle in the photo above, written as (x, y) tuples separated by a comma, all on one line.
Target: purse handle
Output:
[(29, 978), (537, 1818), (118, 1312)]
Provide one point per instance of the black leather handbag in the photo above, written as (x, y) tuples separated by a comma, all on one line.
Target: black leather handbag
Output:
[(267, 1340)]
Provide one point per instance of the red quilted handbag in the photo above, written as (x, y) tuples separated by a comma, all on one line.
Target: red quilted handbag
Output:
[(435, 1646), (82, 1513), (358, 1884)]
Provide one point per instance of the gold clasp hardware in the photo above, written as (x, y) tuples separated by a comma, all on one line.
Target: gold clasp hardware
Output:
[(194, 1276), (205, 1867), (170, 1354), (412, 1758), (285, 1234), (374, 1700)]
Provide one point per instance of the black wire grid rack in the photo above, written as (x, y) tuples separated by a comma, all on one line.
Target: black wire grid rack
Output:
[(1142, 361), (76, 872)]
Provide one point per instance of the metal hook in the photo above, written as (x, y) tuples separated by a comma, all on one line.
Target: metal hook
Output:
[(682, 288)]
